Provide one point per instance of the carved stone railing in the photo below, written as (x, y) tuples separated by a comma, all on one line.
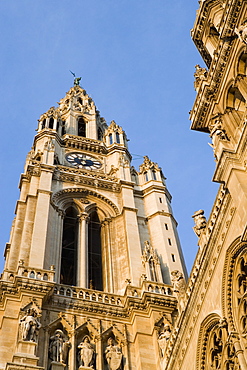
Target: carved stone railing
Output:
[(149, 286), (34, 273), (87, 294)]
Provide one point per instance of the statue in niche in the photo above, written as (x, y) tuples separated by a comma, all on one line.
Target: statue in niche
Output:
[(29, 325), (200, 222), (113, 355), (59, 347), (164, 338), (87, 353)]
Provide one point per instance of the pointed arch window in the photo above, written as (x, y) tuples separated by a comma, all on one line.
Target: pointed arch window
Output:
[(51, 122), (94, 252), (117, 137), (68, 272), (81, 127), (110, 139)]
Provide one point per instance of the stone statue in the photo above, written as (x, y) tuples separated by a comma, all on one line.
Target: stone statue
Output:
[(59, 347), (30, 325), (242, 32), (76, 79), (87, 353), (200, 75), (178, 282), (200, 222), (164, 338), (113, 355)]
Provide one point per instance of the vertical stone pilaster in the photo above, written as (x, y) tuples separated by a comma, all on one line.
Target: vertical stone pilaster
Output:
[(57, 246), (37, 251), (27, 229), (82, 273)]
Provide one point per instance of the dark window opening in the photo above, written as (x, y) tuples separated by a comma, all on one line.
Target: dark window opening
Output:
[(43, 124), (173, 258), (51, 122), (169, 241), (57, 126), (117, 138), (100, 134), (80, 101), (94, 253), (81, 127), (69, 248), (110, 139), (63, 128), (160, 200), (166, 226), (146, 176), (154, 176)]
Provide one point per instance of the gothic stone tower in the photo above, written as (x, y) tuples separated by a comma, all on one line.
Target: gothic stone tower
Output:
[(87, 279)]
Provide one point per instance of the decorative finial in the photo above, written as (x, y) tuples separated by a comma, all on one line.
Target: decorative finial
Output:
[(76, 79)]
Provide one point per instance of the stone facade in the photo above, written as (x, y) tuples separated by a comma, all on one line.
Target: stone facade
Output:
[(210, 332), (94, 275)]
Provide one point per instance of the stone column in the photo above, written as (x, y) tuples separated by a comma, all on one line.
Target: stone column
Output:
[(72, 352), (239, 351), (82, 272), (99, 353)]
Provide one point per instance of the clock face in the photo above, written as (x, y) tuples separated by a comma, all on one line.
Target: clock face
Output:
[(80, 160)]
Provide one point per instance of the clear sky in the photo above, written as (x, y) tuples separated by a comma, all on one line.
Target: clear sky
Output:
[(136, 60)]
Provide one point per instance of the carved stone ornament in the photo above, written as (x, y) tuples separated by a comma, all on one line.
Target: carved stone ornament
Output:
[(59, 347), (30, 325), (217, 130), (200, 222), (148, 164), (86, 353), (241, 32), (163, 338), (200, 75), (113, 355), (178, 282)]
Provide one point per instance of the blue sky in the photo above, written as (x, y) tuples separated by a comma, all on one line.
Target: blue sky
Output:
[(136, 60)]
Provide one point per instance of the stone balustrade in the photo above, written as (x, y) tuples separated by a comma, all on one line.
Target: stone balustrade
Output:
[(87, 294)]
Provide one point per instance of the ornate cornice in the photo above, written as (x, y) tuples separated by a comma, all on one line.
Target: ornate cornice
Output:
[(210, 88)]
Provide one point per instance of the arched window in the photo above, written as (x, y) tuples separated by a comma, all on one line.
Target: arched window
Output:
[(51, 122), (43, 124), (81, 127), (242, 65), (69, 248), (146, 176), (235, 99), (94, 253), (110, 139), (117, 138)]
